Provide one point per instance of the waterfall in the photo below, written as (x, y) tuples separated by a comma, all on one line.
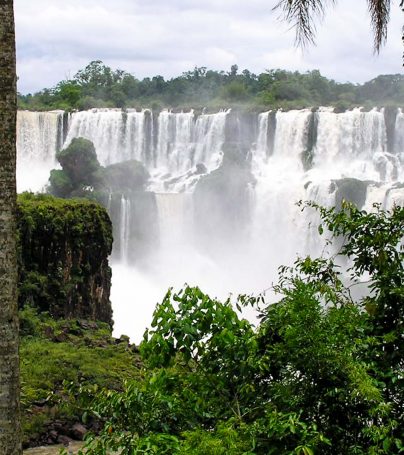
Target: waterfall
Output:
[(209, 139), (183, 141), (291, 135), (184, 144), (352, 144), (349, 154), (124, 229), (399, 134), (117, 135), (178, 148), (277, 224), (296, 155), (261, 152), (174, 145), (39, 134)]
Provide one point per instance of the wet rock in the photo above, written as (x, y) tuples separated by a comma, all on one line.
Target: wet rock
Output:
[(87, 325), (78, 431), (201, 169), (65, 440)]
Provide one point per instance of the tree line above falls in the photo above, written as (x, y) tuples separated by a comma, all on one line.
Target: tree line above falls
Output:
[(98, 85)]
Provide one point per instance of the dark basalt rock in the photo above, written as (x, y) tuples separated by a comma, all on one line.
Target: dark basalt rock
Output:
[(200, 169), (125, 176), (351, 190), (78, 431), (63, 257)]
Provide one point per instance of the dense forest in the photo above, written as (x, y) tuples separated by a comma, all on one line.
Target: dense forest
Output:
[(98, 85)]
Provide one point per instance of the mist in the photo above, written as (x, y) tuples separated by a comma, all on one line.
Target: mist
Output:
[(219, 209)]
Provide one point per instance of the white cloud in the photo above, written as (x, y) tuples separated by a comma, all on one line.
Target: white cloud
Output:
[(56, 38)]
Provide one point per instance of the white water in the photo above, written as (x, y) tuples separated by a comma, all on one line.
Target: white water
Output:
[(183, 141), (38, 135), (353, 144), (347, 145), (124, 234), (117, 136), (276, 222)]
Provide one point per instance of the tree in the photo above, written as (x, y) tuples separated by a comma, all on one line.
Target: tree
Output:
[(68, 92), (302, 13), (10, 441)]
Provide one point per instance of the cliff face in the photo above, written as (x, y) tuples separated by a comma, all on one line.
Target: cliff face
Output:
[(63, 257)]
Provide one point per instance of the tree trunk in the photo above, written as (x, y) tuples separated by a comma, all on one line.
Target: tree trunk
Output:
[(10, 436)]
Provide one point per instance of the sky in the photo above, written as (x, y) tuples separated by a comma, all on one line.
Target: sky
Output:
[(56, 38)]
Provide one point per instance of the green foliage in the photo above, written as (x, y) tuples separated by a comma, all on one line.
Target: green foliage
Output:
[(79, 161), (234, 91), (83, 176), (321, 374), (97, 85), (226, 439), (69, 93), (60, 183), (87, 356)]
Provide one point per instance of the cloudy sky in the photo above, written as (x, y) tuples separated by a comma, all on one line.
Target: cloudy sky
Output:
[(55, 38)]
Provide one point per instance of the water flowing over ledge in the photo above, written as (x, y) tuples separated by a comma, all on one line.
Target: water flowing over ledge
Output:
[(220, 207)]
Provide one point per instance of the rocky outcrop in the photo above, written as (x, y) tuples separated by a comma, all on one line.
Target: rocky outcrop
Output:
[(63, 257), (351, 190), (83, 176)]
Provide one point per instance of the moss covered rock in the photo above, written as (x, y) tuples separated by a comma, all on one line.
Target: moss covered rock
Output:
[(63, 257), (79, 161), (82, 175), (56, 354)]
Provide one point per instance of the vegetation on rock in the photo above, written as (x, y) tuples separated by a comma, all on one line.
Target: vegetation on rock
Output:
[(63, 257), (126, 176), (79, 161), (83, 176), (54, 352)]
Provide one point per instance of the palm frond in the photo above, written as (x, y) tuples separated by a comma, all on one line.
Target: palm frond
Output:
[(379, 15), (302, 14)]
